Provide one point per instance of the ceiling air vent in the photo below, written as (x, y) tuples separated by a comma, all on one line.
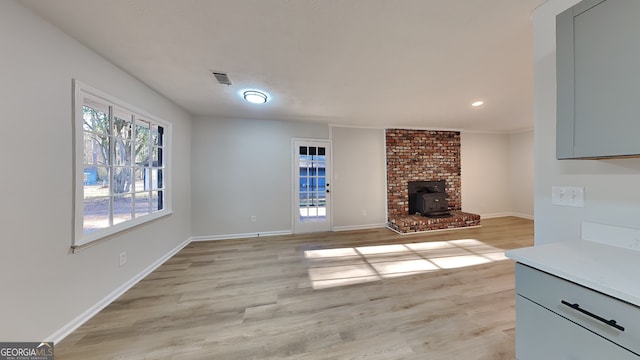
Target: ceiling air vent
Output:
[(222, 78)]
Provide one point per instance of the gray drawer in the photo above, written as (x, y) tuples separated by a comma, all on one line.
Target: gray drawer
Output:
[(550, 291), (543, 335)]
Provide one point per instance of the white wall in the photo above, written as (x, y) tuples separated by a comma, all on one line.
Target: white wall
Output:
[(521, 173), (497, 174), (359, 178), (611, 195), (242, 168), (44, 286), (485, 173)]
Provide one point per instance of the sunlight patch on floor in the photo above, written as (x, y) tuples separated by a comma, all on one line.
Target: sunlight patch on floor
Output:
[(355, 265)]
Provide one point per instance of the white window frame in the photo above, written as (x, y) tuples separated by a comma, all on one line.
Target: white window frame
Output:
[(81, 92)]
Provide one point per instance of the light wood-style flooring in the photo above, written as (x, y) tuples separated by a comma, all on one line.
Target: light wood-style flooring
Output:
[(370, 294)]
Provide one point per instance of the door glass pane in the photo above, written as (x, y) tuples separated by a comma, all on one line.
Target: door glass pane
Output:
[(313, 192)]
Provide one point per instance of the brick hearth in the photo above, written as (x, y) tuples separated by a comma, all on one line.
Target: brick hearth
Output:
[(424, 155), (417, 223)]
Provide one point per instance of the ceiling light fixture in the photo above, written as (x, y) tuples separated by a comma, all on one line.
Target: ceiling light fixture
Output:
[(255, 97), (477, 103)]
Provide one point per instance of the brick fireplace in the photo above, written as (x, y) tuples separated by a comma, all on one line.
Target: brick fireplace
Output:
[(424, 155)]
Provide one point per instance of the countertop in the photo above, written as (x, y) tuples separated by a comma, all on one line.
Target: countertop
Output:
[(611, 270)]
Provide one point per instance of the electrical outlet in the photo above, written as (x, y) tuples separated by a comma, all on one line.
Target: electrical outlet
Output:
[(254, 218), (558, 195), (123, 258), (567, 196)]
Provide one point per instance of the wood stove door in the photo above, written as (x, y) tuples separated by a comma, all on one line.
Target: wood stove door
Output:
[(312, 194)]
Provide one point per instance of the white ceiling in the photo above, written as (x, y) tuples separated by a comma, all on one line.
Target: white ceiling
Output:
[(377, 63)]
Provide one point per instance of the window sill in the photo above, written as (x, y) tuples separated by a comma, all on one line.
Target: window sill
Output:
[(84, 241)]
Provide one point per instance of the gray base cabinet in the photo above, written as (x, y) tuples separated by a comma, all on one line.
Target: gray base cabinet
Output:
[(542, 334), (549, 327)]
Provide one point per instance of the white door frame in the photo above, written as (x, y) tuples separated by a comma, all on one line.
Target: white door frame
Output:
[(296, 224)]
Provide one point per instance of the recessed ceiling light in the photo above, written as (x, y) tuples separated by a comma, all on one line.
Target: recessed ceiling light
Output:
[(477, 103), (255, 97)]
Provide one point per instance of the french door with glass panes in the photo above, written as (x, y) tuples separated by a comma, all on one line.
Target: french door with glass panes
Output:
[(312, 200)]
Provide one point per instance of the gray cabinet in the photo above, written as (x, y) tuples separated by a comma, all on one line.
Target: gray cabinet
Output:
[(558, 319), (598, 80), (542, 334)]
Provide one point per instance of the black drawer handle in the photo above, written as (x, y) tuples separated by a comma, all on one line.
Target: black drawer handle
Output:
[(612, 323)]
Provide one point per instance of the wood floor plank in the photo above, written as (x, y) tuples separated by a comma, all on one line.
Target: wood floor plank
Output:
[(368, 294)]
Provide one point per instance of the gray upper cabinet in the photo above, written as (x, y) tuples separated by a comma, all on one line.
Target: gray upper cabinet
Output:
[(598, 74)]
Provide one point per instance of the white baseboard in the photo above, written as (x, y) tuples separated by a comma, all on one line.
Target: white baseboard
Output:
[(497, 215), (359, 227), (524, 216), (61, 333), (240, 236)]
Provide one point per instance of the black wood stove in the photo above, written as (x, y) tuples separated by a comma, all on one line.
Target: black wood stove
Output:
[(428, 198)]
